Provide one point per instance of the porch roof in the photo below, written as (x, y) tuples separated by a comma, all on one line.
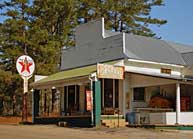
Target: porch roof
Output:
[(69, 74)]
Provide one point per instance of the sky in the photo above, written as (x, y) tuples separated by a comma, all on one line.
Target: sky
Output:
[(179, 14)]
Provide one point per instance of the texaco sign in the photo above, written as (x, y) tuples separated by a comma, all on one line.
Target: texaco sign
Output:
[(25, 66)]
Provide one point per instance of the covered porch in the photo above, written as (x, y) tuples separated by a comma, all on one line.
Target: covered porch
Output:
[(62, 97), (160, 100), (67, 96)]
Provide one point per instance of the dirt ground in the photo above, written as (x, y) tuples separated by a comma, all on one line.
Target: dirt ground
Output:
[(12, 120), (51, 131)]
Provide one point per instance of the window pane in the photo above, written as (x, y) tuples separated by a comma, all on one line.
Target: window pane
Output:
[(139, 94), (116, 93), (108, 92), (71, 95)]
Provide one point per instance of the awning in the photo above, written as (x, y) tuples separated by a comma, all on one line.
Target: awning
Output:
[(64, 77)]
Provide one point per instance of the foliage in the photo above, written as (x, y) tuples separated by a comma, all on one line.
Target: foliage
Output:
[(41, 28), (131, 16)]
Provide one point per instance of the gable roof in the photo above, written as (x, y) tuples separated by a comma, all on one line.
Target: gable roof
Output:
[(91, 47), (150, 49), (95, 44)]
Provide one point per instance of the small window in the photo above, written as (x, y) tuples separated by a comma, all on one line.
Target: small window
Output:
[(166, 71), (139, 94)]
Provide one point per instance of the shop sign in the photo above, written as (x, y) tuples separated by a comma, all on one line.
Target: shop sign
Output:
[(88, 100), (25, 66), (110, 71)]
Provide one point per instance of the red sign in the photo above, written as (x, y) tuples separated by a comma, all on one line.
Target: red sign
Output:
[(88, 100)]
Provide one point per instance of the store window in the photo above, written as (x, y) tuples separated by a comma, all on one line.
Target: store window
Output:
[(71, 97), (110, 93), (139, 94)]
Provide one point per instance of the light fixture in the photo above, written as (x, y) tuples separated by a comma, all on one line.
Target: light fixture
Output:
[(32, 90), (53, 87)]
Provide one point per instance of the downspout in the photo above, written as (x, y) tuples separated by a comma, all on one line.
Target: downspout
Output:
[(92, 78)]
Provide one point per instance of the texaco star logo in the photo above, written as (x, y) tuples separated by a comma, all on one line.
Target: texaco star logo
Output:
[(25, 65)]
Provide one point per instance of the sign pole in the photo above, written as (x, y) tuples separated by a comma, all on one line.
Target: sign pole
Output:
[(25, 66), (25, 91)]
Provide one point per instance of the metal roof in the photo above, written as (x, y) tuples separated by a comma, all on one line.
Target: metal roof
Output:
[(181, 48), (150, 49), (68, 74), (92, 48), (188, 58)]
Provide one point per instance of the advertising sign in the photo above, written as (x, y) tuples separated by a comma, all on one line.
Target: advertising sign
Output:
[(88, 100), (25, 66), (110, 71)]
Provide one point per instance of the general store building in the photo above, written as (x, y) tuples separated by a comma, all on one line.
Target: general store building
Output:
[(141, 79)]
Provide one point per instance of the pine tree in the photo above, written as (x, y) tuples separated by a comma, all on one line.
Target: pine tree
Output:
[(13, 43), (52, 28), (39, 29), (131, 16)]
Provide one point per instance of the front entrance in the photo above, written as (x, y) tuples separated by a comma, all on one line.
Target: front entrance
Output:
[(71, 97), (110, 95)]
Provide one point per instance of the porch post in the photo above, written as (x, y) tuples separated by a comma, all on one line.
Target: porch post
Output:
[(35, 104), (97, 103), (124, 97), (178, 103)]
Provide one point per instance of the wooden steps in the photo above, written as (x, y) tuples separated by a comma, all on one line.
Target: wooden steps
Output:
[(114, 123)]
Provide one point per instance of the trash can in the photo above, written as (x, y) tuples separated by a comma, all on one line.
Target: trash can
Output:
[(130, 117)]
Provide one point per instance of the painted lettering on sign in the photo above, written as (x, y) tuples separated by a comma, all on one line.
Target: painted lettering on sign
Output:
[(110, 71)]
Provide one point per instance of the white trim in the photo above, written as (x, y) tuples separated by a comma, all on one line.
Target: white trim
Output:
[(123, 42), (157, 63), (103, 27), (124, 97), (178, 103), (153, 71)]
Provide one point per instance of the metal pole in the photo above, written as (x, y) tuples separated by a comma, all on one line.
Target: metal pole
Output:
[(92, 78), (25, 90)]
